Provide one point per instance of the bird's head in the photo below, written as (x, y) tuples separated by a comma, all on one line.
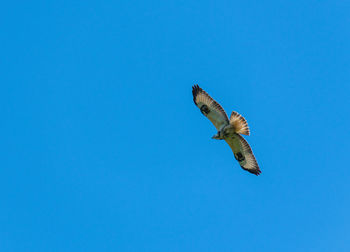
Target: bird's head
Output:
[(217, 136)]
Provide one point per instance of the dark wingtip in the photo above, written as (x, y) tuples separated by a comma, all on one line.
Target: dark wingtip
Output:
[(195, 90), (256, 172)]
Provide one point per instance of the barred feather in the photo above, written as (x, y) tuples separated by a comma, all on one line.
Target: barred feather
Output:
[(239, 123), (209, 107)]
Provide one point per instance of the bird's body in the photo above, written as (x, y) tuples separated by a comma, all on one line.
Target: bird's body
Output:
[(225, 132), (228, 129)]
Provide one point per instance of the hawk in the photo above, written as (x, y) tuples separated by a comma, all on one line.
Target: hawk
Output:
[(229, 130)]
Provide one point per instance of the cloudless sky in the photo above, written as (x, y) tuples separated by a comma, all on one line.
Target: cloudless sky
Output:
[(103, 149)]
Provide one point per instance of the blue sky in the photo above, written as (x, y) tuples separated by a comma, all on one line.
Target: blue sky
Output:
[(104, 150)]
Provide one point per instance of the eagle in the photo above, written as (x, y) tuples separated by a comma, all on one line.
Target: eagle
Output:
[(230, 130)]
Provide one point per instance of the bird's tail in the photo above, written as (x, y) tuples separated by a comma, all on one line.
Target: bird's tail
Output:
[(239, 123)]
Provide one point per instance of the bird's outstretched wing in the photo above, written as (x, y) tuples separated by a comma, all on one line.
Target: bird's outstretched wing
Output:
[(209, 107), (243, 153)]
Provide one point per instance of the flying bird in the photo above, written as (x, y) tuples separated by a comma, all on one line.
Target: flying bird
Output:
[(229, 130)]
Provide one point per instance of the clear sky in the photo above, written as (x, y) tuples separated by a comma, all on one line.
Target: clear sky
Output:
[(103, 148)]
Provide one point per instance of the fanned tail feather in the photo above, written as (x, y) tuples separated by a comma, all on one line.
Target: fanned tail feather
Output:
[(239, 123)]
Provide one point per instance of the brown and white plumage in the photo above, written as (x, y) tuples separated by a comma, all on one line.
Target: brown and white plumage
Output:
[(239, 123), (228, 130), (209, 107), (243, 153)]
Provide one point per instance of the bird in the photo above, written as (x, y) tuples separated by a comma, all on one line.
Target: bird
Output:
[(230, 130)]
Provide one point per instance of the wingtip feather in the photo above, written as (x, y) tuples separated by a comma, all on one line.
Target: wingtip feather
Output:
[(195, 91), (256, 172)]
